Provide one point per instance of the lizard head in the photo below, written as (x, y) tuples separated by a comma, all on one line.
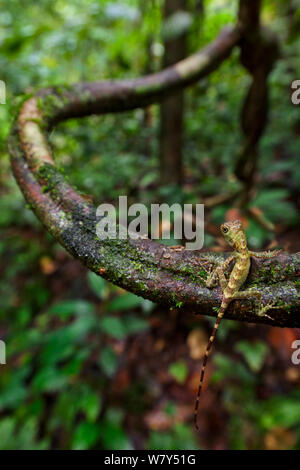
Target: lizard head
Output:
[(234, 234)]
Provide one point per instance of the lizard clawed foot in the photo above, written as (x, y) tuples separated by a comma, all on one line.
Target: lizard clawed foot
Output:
[(269, 306), (205, 260), (210, 278), (273, 253)]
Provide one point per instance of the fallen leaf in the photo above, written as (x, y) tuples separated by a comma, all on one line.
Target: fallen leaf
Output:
[(279, 439), (47, 265)]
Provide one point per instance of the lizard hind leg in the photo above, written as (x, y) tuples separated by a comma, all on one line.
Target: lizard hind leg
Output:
[(261, 309)]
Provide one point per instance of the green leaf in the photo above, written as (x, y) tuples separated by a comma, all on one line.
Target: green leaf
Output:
[(89, 403), (79, 399), (134, 324), (20, 438), (227, 367), (108, 361), (274, 203), (113, 437), (281, 411), (253, 353), (179, 371), (58, 347), (119, 328), (85, 436), (7, 427), (181, 437), (60, 344), (13, 388), (68, 308), (124, 302), (98, 285), (49, 379), (113, 326), (256, 235)]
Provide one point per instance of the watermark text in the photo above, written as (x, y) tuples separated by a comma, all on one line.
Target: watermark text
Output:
[(137, 221)]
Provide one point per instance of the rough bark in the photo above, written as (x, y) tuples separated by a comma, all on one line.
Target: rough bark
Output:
[(144, 267)]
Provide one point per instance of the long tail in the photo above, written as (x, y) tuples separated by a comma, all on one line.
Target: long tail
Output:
[(223, 307)]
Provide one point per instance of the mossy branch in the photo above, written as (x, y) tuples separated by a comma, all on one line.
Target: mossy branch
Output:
[(144, 267)]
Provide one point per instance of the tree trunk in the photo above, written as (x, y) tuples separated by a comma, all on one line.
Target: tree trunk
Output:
[(171, 110)]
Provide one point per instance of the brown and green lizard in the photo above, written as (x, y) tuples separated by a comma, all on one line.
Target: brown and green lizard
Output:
[(235, 236)]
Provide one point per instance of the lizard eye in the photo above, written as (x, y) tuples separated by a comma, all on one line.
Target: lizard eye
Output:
[(224, 229)]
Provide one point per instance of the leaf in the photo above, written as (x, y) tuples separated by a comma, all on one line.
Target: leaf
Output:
[(90, 404), (227, 367), (85, 436), (7, 426), (181, 437), (281, 411), (48, 266), (119, 328), (108, 361), (135, 324), (68, 308), (98, 285), (23, 438), (256, 234), (179, 371), (49, 379), (113, 437), (113, 326), (149, 178), (253, 353), (60, 344), (274, 203), (125, 302), (57, 349), (14, 390)]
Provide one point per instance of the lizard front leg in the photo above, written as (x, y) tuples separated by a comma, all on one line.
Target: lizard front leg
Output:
[(265, 254), (218, 273)]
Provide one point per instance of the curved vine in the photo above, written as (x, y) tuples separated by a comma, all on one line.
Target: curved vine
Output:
[(142, 266)]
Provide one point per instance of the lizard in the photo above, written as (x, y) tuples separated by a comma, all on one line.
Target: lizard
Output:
[(235, 236)]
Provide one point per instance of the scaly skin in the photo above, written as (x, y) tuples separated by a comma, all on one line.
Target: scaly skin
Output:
[(235, 236)]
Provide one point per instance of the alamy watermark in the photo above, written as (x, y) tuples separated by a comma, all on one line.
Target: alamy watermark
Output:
[(2, 92), (296, 94), (2, 352), (137, 221), (296, 354)]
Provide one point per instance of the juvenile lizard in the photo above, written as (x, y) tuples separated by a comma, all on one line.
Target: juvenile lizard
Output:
[(235, 236)]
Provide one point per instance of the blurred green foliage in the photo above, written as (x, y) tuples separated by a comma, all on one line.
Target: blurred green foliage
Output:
[(67, 331)]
